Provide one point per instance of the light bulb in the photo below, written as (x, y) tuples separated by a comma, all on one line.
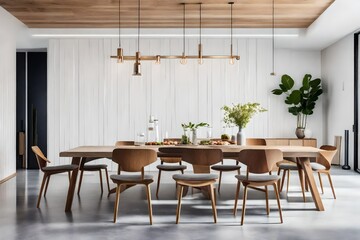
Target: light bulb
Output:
[(232, 61), (183, 60), (157, 59), (201, 61)]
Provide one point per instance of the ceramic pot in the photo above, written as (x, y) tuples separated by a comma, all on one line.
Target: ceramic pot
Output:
[(300, 132)]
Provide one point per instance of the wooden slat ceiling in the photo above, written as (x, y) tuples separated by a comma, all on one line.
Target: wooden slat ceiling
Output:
[(164, 13)]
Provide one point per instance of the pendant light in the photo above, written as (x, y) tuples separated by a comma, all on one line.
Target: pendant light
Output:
[(183, 59), (273, 39), (120, 52), (200, 56), (137, 64), (232, 59)]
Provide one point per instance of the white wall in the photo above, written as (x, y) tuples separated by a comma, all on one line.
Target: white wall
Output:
[(93, 100), (338, 76), (9, 27)]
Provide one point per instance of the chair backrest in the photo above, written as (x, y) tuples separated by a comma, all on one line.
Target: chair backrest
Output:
[(255, 142), (325, 157), (40, 157), (260, 160), (202, 158), (124, 143), (133, 160), (171, 159)]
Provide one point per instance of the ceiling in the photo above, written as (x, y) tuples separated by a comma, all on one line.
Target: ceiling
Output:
[(164, 13)]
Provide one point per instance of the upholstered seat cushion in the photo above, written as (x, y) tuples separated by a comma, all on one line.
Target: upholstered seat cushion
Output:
[(195, 177), (258, 178), (60, 168), (317, 166), (287, 166), (130, 178), (94, 166), (171, 167), (226, 167)]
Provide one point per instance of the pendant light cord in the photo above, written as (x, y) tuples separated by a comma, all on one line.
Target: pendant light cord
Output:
[(138, 43), (273, 35), (200, 22), (231, 24), (119, 25), (184, 29)]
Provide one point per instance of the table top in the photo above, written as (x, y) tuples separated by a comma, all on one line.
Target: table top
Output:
[(229, 150)]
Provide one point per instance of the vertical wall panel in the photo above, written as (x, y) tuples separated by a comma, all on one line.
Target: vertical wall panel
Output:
[(94, 100)]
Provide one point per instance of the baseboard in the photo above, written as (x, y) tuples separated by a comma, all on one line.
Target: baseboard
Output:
[(7, 178)]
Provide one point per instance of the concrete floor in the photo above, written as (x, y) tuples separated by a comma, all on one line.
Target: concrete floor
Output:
[(92, 213)]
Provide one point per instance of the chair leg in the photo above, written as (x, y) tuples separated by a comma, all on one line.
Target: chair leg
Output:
[(80, 181), (101, 182), (301, 179), (244, 204), (236, 198), (282, 181), (267, 200), (278, 173), (331, 185), (158, 185), (288, 181), (148, 194), (278, 201), (107, 179), (179, 203), (116, 207), (219, 182), (41, 190), (47, 184), (69, 174), (321, 185), (213, 204)]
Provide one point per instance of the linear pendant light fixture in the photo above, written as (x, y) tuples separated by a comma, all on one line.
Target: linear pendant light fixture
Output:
[(183, 58)]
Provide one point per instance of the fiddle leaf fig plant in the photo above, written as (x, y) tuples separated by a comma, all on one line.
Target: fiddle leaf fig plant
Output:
[(301, 101)]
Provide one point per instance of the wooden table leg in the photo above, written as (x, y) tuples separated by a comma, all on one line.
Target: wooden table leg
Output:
[(72, 185), (305, 163)]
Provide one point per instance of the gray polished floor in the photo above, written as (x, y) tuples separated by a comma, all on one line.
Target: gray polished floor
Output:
[(92, 213)]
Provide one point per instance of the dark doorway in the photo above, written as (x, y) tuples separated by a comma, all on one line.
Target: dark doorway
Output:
[(31, 104), (356, 102)]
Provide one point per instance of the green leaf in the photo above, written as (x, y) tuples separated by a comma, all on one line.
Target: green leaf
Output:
[(287, 82), (277, 91), (293, 110), (306, 82), (283, 88), (314, 83), (295, 97)]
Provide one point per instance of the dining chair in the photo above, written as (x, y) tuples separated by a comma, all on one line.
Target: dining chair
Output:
[(323, 165), (121, 144), (49, 170), (201, 160), (258, 162), (225, 168), (170, 167), (132, 160), (93, 168)]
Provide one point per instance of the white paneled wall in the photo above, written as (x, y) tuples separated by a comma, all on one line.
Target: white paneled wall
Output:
[(92, 100), (8, 27)]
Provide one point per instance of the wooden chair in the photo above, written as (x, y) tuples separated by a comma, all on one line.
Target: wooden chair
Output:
[(48, 171), (225, 168), (133, 160), (258, 162), (323, 165), (169, 167), (121, 144), (286, 167), (201, 159), (93, 168)]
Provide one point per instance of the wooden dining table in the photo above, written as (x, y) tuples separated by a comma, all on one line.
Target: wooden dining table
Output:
[(300, 153)]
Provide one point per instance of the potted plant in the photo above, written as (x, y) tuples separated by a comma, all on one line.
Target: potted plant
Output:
[(301, 101), (193, 128), (240, 115)]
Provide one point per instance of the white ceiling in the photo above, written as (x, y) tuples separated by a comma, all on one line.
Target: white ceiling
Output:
[(340, 19)]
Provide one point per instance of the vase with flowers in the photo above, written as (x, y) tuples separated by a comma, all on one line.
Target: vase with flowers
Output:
[(240, 115)]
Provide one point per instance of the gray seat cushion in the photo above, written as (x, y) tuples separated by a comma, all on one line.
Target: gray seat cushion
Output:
[(60, 168), (226, 167), (94, 166), (130, 178), (287, 166), (171, 167), (258, 178), (195, 177), (317, 166)]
